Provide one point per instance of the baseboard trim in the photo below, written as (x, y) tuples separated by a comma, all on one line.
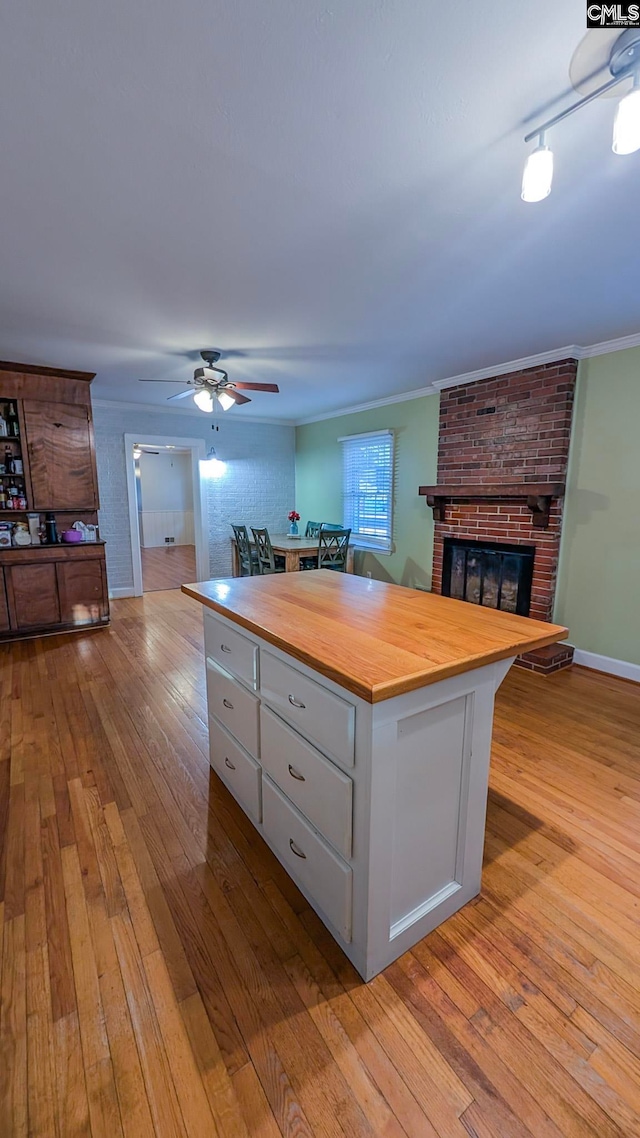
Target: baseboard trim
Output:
[(622, 668), (123, 591)]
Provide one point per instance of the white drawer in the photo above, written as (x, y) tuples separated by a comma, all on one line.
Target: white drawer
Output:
[(231, 649), (315, 712), (236, 768), (234, 706), (309, 860), (318, 788)]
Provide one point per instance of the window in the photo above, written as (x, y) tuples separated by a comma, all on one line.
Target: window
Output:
[(367, 463)]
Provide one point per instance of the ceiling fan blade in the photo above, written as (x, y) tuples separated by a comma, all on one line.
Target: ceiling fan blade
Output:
[(174, 381), (180, 395), (236, 395), (258, 387)]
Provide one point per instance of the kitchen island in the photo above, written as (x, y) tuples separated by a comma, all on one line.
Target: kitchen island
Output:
[(352, 722)]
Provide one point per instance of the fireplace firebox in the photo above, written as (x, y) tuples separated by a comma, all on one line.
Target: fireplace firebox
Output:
[(488, 573)]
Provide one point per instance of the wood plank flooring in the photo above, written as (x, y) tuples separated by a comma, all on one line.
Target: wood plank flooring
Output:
[(161, 975), (167, 567)]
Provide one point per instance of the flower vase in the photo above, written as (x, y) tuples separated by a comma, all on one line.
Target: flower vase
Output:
[(293, 529)]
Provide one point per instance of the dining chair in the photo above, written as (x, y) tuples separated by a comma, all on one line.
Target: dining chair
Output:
[(247, 557), (268, 561), (313, 529), (331, 526), (333, 548)]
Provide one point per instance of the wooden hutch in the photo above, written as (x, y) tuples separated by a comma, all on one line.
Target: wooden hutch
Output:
[(50, 587)]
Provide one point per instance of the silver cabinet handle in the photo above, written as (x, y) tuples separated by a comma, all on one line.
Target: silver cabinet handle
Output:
[(296, 849), (229, 764), (224, 648), (228, 704), (295, 702), (295, 774)]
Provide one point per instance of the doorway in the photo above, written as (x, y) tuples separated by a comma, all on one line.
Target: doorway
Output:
[(166, 512)]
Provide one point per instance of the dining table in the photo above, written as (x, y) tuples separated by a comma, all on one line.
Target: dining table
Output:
[(293, 549)]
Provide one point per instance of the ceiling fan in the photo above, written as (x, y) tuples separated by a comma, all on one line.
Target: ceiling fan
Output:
[(211, 384)]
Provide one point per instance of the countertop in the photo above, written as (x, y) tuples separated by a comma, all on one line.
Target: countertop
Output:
[(374, 639)]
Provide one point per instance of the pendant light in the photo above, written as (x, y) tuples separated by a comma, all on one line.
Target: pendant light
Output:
[(538, 173)]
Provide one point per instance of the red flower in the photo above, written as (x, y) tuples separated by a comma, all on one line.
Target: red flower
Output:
[(293, 516)]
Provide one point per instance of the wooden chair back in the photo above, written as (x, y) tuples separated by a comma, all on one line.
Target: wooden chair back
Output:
[(264, 550), (333, 548), (313, 529), (244, 550)]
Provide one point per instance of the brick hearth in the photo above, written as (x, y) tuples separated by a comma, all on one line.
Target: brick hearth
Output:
[(513, 428)]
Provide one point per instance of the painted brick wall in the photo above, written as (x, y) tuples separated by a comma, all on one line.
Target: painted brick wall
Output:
[(513, 428), (258, 487)]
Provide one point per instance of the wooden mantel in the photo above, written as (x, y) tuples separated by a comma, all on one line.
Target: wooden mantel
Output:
[(537, 495)]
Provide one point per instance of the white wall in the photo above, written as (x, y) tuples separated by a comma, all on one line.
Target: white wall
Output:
[(257, 489), (166, 498), (165, 481)]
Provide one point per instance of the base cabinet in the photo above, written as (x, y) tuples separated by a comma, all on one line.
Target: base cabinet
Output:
[(47, 589), (376, 811), (4, 608), (33, 596), (82, 592)]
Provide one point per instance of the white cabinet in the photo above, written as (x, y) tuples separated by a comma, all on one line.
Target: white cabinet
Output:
[(326, 719), (317, 787), (234, 706), (308, 858), (233, 651), (237, 769), (376, 810)]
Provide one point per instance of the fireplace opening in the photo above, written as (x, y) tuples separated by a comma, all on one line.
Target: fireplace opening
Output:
[(487, 573)]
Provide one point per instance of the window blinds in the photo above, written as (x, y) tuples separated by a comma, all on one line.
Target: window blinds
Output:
[(368, 488)]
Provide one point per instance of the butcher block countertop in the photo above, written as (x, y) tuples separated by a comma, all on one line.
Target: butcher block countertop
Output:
[(376, 640)]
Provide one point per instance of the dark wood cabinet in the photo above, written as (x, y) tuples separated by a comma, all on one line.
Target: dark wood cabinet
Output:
[(60, 448), (82, 589), (32, 592), (4, 610), (58, 587)]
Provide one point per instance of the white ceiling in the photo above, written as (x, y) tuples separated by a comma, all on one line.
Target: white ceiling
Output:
[(331, 187)]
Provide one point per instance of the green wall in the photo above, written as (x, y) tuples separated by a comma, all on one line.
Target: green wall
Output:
[(599, 571), (319, 482), (597, 595)]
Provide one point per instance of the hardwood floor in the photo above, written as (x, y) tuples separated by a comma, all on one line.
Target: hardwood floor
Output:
[(160, 974), (167, 567)]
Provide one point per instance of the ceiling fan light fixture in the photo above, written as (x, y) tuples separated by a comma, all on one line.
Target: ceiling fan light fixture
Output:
[(225, 400), (203, 400)]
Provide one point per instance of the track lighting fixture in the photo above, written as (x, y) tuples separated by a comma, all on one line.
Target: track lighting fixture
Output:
[(624, 64), (538, 173)]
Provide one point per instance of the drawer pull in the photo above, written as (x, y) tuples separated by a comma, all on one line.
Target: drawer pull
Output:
[(224, 648), (229, 764), (296, 849), (295, 774), (227, 703), (295, 702)]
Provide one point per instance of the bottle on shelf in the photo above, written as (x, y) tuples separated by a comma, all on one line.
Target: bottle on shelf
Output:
[(4, 426), (9, 465), (13, 423), (51, 529)]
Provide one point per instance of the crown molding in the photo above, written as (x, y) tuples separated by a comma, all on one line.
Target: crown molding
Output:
[(401, 397), (121, 405), (606, 346), (570, 351)]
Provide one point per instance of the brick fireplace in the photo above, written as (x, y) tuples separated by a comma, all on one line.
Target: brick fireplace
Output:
[(502, 465)]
